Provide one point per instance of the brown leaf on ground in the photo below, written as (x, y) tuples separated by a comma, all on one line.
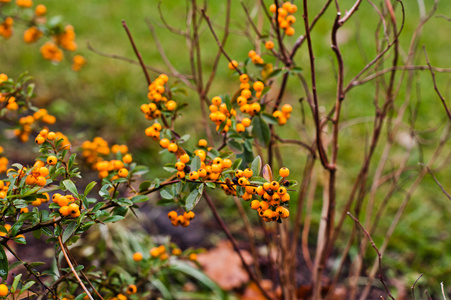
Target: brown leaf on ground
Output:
[(252, 292), (223, 265)]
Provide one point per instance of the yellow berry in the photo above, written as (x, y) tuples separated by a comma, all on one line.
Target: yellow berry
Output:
[(202, 143)]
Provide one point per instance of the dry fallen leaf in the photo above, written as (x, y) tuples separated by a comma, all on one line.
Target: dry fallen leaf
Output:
[(223, 265)]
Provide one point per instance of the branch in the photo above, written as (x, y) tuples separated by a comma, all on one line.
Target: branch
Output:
[(413, 286), (435, 83), (217, 40), (143, 66), (379, 255), (436, 181), (235, 246), (72, 268)]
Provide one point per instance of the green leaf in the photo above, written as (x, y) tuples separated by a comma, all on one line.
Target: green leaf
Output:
[(236, 164), (15, 283), (139, 198), (195, 163), (274, 73), (89, 187), (113, 219), (81, 296), (70, 229), (71, 187), (144, 186), (211, 185), (166, 193), (194, 197), (3, 264), (256, 165), (296, 70), (260, 130), (234, 145), (227, 102), (28, 285), (15, 264), (46, 231), (270, 119), (13, 231)]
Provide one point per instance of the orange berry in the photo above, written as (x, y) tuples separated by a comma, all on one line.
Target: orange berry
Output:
[(258, 86), (184, 158), (269, 45), (244, 78), (172, 147), (171, 105), (52, 160), (164, 143), (284, 172), (137, 256), (233, 65), (216, 100), (122, 172), (127, 158)]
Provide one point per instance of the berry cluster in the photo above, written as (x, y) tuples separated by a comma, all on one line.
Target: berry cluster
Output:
[(4, 186), (274, 196), (159, 102), (255, 58), (283, 115), (285, 17), (6, 27), (247, 101), (49, 136), (68, 207), (28, 123), (32, 34), (62, 38), (183, 219), (95, 153), (78, 62)]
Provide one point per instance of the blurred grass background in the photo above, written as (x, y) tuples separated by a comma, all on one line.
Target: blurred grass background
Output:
[(104, 98)]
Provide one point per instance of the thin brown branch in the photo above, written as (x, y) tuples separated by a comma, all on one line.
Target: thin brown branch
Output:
[(435, 83), (72, 268), (436, 181), (163, 55), (235, 246), (218, 42), (123, 58), (141, 62), (379, 255), (320, 146), (413, 286)]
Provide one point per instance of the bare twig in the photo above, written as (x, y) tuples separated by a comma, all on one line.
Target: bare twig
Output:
[(235, 246), (143, 66), (413, 286), (435, 83), (443, 290), (381, 275), (217, 40), (436, 181), (72, 268)]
